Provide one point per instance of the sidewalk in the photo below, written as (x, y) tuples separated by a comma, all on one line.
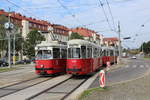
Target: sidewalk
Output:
[(132, 90), (136, 89), (19, 73)]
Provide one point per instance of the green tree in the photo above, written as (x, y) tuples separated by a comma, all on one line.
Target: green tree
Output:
[(3, 42), (75, 35), (146, 47), (33, 38), (18, 41)]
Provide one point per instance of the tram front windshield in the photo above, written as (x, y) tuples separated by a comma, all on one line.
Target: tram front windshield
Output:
[(73, 52), (44, 54)]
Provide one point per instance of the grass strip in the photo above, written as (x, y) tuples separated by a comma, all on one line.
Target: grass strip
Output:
[(89, 91), (6, 69), (147, 58)]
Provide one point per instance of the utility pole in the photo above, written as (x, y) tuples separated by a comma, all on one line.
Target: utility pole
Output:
[(119, 48), (14, 49), (9, 54)]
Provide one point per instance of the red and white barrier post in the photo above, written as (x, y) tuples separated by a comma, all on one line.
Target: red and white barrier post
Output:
[(102, 78)]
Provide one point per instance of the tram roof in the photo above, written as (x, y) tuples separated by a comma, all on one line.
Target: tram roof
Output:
[(80, 42), (50, 44), (108, 48)]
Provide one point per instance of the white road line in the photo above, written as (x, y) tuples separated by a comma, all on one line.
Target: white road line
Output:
[(147, 66), (134, 66), (126, 66), (141, 66)]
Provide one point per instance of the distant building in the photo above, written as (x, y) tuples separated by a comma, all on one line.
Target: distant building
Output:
[(55, 32), (26, 24), (60, 32), (111, 41), (88, 34)]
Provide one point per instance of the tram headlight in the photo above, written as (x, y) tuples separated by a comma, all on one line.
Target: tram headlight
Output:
[(41, 66)]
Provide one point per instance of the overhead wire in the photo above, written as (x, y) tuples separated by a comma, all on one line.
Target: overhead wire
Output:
[(22, 8), (48, 6), (102, 6), (111, 14), (93, 23), (66, 8)]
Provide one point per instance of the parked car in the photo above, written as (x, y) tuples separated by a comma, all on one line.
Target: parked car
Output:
[(27, 61), (3, 63), (23, 61), (20, 62), (133, 57)]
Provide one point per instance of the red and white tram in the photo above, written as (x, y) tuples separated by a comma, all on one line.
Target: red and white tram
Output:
[(109, 55), (83, 57), (50, 58)]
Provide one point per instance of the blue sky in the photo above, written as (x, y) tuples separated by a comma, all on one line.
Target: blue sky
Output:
[(131, 14)]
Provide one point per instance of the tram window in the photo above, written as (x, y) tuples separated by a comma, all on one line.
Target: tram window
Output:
[(76, 53), (111, 53), (39, 55), (89, 52), (108, 52), (83, 51), (105, 53), (63, 53), (69, 53), (47, 54), (100, 52), (56, 53), (95, 52), (44, 54), (73, 52)]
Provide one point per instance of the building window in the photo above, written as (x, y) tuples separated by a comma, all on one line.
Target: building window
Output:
[(30, 25)]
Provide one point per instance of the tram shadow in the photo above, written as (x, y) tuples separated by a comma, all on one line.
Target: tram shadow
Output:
[(86, 76), (52, 75)]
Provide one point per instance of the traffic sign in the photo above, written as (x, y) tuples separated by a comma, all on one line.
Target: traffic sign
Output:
[(102, 78), (9, 26)]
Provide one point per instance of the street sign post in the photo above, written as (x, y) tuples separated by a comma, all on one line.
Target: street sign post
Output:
[(102, 78), (9, 27)]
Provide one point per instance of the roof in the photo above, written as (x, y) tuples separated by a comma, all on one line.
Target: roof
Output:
[(18, 16), (61, 27), (111, 39), (83, 31)]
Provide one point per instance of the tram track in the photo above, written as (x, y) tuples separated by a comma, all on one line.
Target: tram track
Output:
[(61, 90), (13, 88)]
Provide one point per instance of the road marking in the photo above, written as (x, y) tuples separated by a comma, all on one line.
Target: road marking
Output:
[(147, 66), (126, 66), (141, 66), (134, 66)]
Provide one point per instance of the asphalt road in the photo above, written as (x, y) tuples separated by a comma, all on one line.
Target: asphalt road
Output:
[(134, 69), (26, 72)]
